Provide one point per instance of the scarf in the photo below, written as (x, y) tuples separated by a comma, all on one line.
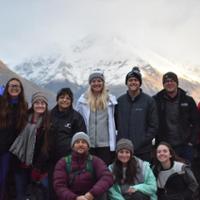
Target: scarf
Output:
[(24, 145)]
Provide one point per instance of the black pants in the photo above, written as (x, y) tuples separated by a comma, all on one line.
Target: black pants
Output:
[(104, 153), (136, 196)]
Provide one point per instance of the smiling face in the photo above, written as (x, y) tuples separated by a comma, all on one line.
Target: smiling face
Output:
[(163, 154), (133, 85), (97, 85), (124, 156), (64, 101), (14, 88), (39, 107), (170, 86), (80, 146)]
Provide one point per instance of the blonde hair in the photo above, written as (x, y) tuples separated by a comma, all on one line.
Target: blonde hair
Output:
[(98, 102)]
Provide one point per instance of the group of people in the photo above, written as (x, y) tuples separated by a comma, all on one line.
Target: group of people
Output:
[(103, 148)]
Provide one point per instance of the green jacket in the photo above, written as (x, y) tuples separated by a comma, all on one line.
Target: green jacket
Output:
[(148, 187)]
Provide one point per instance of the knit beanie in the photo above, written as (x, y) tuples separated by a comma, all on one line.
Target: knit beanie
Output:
[(124, 144), (135, 72), (170, 75), (97, 73), (64, 91), (80, 136), (39, 96)]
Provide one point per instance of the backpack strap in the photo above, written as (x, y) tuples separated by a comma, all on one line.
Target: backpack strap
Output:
[(88, 168), (68, 160)]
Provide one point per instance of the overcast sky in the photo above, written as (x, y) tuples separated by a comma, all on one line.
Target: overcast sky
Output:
[(169, 27)]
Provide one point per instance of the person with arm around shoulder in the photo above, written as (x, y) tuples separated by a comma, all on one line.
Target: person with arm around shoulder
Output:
[(175, 179), (133, 178), (81, 176)]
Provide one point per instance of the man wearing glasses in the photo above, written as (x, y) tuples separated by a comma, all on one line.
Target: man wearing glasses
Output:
[(178, 117)]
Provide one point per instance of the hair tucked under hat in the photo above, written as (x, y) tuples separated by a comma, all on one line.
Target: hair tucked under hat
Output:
[(97, 73), (39, 96), (170, 75), (135, 72), (80, 136), (124, 144)]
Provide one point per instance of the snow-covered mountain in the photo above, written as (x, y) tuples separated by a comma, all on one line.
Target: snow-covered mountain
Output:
[(29, 87), (115, 55)]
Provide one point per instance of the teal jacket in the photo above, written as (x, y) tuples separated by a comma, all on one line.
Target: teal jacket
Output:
[(148, 187)]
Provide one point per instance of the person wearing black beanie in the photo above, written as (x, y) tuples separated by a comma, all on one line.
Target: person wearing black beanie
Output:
[(135, 72), (178, 117), (136, 115)]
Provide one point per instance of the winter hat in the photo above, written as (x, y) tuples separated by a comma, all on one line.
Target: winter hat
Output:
[(80, 136), (97, 73), (124, 144), (170, 75), (64, 91), (135, 72), (39, 96)]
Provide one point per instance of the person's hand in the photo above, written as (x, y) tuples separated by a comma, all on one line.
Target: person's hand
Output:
[(89, 196), (36, 174), (82, 197), (131, 190)]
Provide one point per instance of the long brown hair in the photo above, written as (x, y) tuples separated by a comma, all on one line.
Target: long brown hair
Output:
[(45, 126), (6, 108), (131, 170), (156, 163)]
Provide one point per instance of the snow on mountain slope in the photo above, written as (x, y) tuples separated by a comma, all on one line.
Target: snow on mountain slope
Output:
[(114, 54)]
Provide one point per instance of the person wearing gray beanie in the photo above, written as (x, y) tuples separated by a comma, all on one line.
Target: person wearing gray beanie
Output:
[(80, 136), (97, 73), (81, 175), (124, 144), (97, 106), (133, 177), (39, 96)]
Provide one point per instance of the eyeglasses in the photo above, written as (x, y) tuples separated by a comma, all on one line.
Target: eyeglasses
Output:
[(14, 86)]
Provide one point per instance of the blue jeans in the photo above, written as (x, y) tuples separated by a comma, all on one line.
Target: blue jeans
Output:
[(4, 166), (23, 179)]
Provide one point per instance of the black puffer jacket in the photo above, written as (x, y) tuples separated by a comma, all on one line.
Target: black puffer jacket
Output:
[(188, 117), (63, 126)]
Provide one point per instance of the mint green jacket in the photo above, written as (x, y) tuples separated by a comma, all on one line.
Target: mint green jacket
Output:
[(148, 187)]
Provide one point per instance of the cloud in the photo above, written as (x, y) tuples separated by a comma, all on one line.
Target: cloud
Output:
[(171, 28)]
